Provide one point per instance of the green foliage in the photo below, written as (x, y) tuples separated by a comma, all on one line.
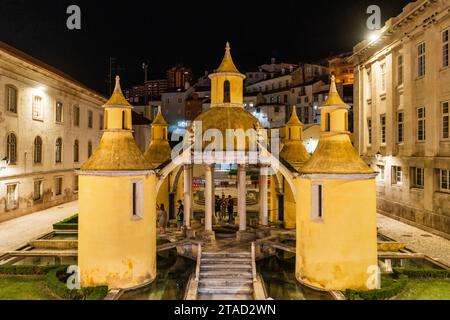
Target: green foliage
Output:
[(389, 288), (56, 282), (416, 273), (25, 270), (70, 223)]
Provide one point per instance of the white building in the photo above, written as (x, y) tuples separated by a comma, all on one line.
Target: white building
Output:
[(402, 96), (49, 125)]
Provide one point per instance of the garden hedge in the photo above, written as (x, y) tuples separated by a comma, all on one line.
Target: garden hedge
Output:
[(70, 223), (415, 273), (392, 288), (25, 270)]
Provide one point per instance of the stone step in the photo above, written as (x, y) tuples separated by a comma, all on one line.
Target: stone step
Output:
[(224, 297), (223, 266), (225, 290), (224, 282), (226, 260), (226, 255), (226, 274)]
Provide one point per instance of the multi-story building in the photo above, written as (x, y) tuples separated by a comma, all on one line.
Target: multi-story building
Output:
[(49, 125), (178, 76), (402, 96), (307, 72), (341, 68), (173, 103), (151, 90)]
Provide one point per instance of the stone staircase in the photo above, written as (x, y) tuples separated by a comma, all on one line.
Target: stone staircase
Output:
[(225, 276)]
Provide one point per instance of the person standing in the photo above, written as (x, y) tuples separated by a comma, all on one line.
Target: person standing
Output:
[(223, 207), (217, 207), (230, 209), (180, 214), (162, 219)]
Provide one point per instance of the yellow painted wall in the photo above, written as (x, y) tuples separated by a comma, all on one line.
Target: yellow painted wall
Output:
[(114, 249), (113, 118), (217, 86), (289, 207), (335, 254), (163, 194)]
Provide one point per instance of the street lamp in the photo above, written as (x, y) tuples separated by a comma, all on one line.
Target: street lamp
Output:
[(378, 156)]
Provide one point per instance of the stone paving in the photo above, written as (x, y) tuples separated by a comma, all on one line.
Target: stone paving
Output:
[(17, 232), (415, 239)]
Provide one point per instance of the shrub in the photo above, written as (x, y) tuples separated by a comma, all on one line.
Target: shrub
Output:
[(389, 289), (56, 282), (70, 223), (416, 273), (25, 270)]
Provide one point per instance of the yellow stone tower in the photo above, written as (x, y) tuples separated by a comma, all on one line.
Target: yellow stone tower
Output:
[(117, 206), (336, 208), (294, 152)]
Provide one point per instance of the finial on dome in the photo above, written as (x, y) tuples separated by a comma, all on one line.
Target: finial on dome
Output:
[(334, 99), (333, 84), (227, 64), (227, 47), (117, 97)]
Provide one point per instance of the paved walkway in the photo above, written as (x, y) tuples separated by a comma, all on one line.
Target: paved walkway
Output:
[(20, 231), (416, 239)]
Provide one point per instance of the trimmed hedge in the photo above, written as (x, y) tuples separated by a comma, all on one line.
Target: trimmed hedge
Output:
[(25, 270), (56, 282), (415, 273), (392, 288), (70, 223)]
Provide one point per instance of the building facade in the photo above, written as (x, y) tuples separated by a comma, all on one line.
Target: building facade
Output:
[(49, 125), (402, 96)]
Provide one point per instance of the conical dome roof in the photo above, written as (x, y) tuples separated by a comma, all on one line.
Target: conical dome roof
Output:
[(227, 64), (294, 120), (334, 99), (159, 119), (294, 151), (117, 98)]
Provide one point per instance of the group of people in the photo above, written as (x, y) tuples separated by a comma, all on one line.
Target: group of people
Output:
[(162, 216), (224, 206)]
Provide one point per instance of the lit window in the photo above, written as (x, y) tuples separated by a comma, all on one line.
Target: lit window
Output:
[(316, 201), (397, 176), (421, 60), (137, 200), (400, 70), (445, 121), (383, 128), (369, 130), (11, 148), (417, 177), (11, 99), (444, 180), (400, 127), (445, 48), (37, 108), (37, 150), (59, 112), (421, 124)]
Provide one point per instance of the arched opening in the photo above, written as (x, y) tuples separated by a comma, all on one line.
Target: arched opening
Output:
[(123, 120), (76, 151), (226, 92), (89, 149), (58, 150), (37, 150), (327, 122), (11, 148)]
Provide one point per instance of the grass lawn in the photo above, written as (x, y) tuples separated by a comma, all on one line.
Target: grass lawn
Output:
[(419, 289), (24, 288)]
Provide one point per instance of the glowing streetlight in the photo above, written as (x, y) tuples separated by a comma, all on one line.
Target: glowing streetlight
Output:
[(374, 37)]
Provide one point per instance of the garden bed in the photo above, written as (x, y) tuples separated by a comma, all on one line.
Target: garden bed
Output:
[(70, 223)]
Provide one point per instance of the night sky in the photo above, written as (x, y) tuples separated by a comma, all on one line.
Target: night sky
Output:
[(165, 33)]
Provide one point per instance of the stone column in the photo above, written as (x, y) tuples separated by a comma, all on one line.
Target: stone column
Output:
[(242, 198), (208, 197), (187, 169), (213, 188), (263, 209)]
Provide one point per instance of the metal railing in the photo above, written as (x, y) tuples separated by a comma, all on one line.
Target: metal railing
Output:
[(254, 262), (199, 259)]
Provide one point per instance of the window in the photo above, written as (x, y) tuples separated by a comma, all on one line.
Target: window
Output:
[(12, 197), (327, 122), (101, 122), (75, 183), (58, 186), (381, 172), (277, 109), (383, 77), (421, 124), (400, 127), (445, 120), (417, 175), (76, 151), (37, 190), (421, 60), (369, 130), (383, 128), (37, 159), (397, 176), (11, 99), (37, 108), (89, 149), (400, 70), (124, 120), (444, 180), (11, 148), (90, 119), (76, 116), (137, 193), (316, 201), (59, 112), (58, 150), (445, 48)]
